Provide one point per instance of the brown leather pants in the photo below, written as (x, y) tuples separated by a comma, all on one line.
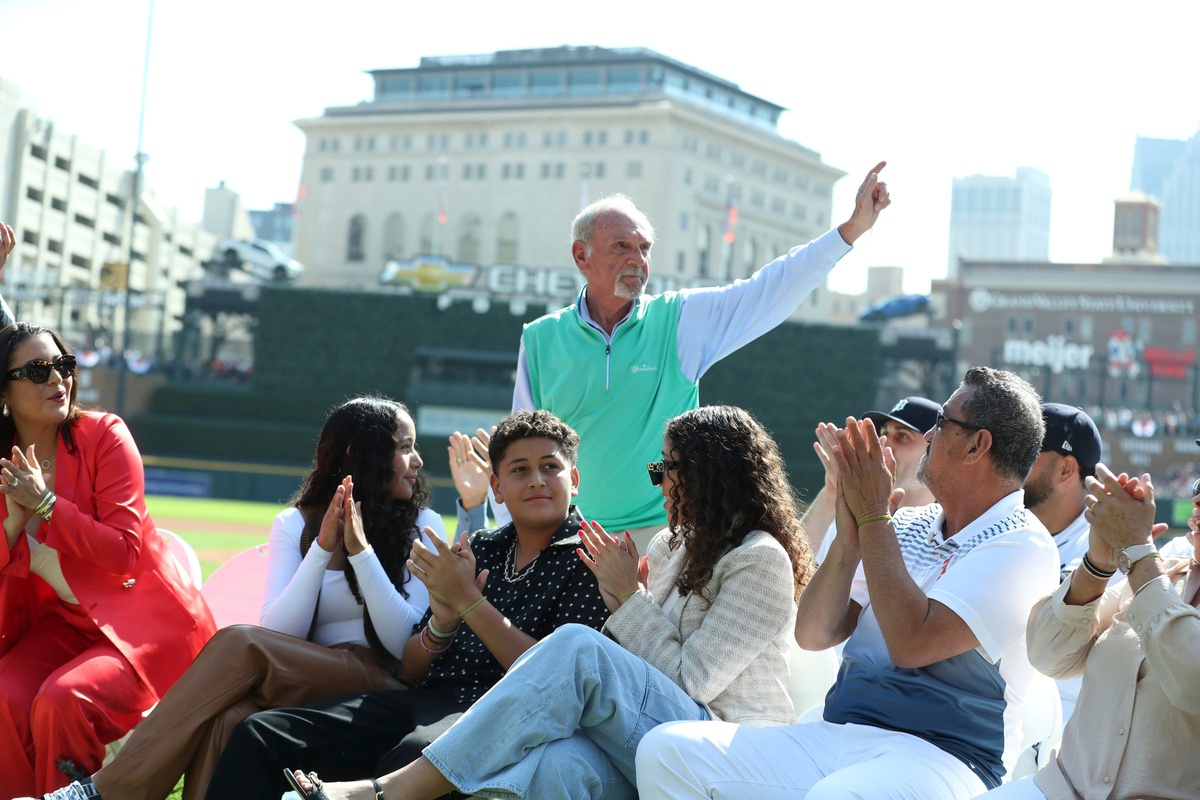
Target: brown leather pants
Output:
[(243, 669)]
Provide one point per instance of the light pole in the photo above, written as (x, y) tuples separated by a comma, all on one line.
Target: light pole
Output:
[(134, 201)]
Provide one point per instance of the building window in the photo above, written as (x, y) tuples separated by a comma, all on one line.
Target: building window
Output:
[(680, 262), (355, 235), (326, 175), (54, 246), (559, 170), (703, 243), (506, 239), (466, 172), (633, 169), (520, 172), (79, 261), (683, 221), (505, 171), (29, 237), (468, 239), (88, 181), (598, 170), (393, 237), (112, 238), (430, 172), (687, 176), (480, 171), (86, 222), (545, 170), (34, 194), (38, 152), (368, 174), (644, 137), (116, 201), (62, 163), (1188, 334), (587, 138)]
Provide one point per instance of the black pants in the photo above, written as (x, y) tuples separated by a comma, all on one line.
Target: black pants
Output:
[(348, 738)]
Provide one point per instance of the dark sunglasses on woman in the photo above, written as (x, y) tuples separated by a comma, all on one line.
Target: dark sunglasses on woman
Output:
[(38, 370)]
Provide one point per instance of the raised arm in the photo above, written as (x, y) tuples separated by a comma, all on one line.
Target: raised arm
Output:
[(917, 630), (871, 199)]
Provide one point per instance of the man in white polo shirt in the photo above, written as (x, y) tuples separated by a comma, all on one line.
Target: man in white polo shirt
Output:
[(934, 602)]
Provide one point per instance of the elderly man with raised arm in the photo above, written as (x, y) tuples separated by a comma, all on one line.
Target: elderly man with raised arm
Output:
[(617, 364), (934, 603)]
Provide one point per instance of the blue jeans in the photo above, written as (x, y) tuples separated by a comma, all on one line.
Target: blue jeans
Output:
[(565, 722)]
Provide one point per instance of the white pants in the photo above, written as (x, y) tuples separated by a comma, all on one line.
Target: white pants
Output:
[(1024, 789), (816, 760)]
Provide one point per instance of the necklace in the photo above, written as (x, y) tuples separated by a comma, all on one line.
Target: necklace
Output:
[(511, 573)]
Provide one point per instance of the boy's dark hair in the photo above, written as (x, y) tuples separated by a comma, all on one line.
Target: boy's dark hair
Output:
[(527, 424)]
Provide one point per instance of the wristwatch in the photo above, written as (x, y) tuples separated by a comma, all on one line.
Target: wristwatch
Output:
[(1131, 555)]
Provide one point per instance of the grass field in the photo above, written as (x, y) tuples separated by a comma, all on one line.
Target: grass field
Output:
[(218, 529)]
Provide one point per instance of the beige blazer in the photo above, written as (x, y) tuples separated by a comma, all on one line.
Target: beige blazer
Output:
[(730, 656)]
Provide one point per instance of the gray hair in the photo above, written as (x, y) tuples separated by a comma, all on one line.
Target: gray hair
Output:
[(581, 228), (1011, 409)]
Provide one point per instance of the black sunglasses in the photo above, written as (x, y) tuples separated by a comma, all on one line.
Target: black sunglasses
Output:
[(941, 417), (659, 468), (38, 370)]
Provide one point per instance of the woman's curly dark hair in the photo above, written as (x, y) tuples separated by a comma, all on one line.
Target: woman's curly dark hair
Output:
[(730, 481), (359, 440)]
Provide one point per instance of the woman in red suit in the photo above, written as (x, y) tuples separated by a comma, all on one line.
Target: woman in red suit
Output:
[(97, 619)]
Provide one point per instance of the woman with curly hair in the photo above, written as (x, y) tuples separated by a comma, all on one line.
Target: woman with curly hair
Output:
[(701, 630), (337, 612)]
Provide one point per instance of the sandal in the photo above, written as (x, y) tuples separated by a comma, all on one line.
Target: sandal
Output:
[(318, 792)]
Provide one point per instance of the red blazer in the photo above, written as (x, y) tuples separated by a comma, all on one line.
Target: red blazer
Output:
[(116, 564)]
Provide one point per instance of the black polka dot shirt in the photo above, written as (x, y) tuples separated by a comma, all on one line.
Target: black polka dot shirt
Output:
[(554, 589)]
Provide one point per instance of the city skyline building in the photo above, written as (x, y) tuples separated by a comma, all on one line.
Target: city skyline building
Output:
[(1169, 171), (483, 160), (68, 203), (999, 217)]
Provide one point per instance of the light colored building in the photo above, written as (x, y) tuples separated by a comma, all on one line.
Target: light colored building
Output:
[(1001, 218), (484, 160), (69, 205), (1169, 170), (225, 214)]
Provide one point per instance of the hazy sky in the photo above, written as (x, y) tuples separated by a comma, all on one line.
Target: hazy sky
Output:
[(940, 90)]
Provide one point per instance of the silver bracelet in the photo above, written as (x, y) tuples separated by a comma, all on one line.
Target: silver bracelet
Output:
[(45, 508)]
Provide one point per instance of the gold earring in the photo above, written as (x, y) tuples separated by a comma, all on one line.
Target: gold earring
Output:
[(4, 410)]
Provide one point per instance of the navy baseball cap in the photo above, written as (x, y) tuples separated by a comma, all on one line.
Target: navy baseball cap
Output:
[(918, 413), (1071, 432)]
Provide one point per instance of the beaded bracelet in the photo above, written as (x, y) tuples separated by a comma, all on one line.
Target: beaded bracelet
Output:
[(470, 608), (880, 518), (432, 651)]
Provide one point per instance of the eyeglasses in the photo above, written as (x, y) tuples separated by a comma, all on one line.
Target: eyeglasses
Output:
[(941, 417), (38, 370), (659, 468)]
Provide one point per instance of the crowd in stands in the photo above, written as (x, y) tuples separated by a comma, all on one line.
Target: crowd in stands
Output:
[(967, 552), (1147, 424)]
